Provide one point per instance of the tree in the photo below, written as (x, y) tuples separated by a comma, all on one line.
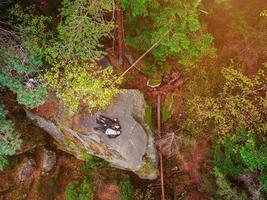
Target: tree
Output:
[(76, 44), (82, 26), (243, 156), (80, 83), (19, 73), (176, 22), (119, 14), (241, 102), (21, 57)]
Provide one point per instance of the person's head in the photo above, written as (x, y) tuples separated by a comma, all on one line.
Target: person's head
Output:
[(116, 127)]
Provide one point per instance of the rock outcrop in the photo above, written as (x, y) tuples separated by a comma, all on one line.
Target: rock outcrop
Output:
[(26, 169), (48, 161), (133, 150)]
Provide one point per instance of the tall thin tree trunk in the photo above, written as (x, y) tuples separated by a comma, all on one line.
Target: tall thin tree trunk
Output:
[(160, 154), (119, 14)]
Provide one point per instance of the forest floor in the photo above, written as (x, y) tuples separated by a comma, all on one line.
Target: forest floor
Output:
[(188, 180)]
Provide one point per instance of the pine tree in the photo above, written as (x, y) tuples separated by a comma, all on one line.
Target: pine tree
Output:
[(175, 22), (9, 141)]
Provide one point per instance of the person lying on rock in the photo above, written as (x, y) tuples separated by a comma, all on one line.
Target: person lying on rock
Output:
[(107, 122), (110, 127)]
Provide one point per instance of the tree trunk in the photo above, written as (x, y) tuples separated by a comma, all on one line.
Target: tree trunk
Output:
[(160, 154), (119, 14)]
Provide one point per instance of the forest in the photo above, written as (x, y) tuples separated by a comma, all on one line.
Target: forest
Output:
[(133, 99)]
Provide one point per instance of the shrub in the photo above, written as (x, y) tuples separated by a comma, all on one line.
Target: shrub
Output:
[(174, 22), (74, 83), (21, 57), (242, 152), (83, 24), (241, 102), (9, 141), (126, 189), (224, 190), (80, 191)]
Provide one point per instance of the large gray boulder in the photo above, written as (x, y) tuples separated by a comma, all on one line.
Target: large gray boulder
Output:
[(133, 150)]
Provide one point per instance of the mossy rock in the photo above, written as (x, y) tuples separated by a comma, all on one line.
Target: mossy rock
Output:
[(148, 168), (155, 81)]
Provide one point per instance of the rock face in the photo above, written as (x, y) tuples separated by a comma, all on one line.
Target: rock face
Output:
[(133, 150), (49, 161)]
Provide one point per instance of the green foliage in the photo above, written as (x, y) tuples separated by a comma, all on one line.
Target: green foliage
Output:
[(148, 167), (241, 102), (149, 116), (91, 162), (25, 96), (9, 141), (224, 190), (242, 152), (126, 189), (176, 22), (74, 42), (32, 29), (80, 191), (138, 7), (167, 108), (234, 101), (21, 57), (74, 83), (83, 24)]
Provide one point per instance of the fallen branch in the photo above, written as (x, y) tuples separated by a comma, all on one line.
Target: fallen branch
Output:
[(142, 56)]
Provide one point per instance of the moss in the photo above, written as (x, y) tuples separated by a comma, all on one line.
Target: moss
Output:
[(154, 82), (70, 144), (80, 190), (84, 155), (51, 183), (126, 189), (148, 168), (148, 116), (167, 108)]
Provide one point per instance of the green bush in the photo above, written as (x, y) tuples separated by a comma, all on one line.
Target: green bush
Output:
[(9, 141), (75, 83), (224, 190), (80, 190), (149, 116), (21, 57), (167, 108), (126, 189), (82, 26), (241, 101), (68, 48), (176, 22), (242, 152)]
